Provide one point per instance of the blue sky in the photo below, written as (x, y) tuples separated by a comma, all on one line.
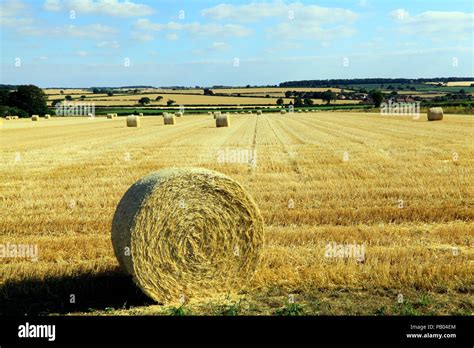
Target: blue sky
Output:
[(81, 43)]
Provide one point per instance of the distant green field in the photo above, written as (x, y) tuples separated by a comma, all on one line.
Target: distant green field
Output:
[(406, 87)]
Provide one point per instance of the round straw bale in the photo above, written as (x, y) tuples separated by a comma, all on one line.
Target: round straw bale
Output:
[(169, 119), (8, 117), (133, 121), (110, 116), (140, 114), (282, 112), (435, 114), (259, 112), (223, 120), (47, 116), (188, 232), (35, 118), (179, 114)]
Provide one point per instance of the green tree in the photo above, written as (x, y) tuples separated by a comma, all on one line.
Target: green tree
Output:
[(280, 101), (308, 102), (144, 100), (159, 98), (95, 90), (208, 91), (170, 102), (328, 96), (55, 102), (377, 97), (68, 98), (4, 92), (288, 94), (298, 101), (29, 98), (110, 93)]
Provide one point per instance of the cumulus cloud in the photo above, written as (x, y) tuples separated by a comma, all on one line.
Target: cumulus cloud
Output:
[(210, 29), (114, 8), (172, 37), (108, 44), (12, 13), (435, 24), (91, 31), (257, 11), (297, 20), (220, 46)]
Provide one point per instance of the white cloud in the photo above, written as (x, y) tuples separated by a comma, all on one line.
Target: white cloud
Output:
[(172, 37), (108, 44), (82, 53), (435, 24), (314, 31), (91, 31), (114, 8), (141, 36), (295, 11), (297, 20), (195, 28), (220, 46), (52, 5), (10, 10)]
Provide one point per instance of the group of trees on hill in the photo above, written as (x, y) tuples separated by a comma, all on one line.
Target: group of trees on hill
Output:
[(377, 81), (23, 101)]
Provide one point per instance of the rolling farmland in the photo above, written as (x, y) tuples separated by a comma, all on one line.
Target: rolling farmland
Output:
[(401, 188)]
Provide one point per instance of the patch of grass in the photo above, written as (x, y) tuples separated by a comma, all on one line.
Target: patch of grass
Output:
[(179, 311), (290, 309), (405, 308), (425, 300)]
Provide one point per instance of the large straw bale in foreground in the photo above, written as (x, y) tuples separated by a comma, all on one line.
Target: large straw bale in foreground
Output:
[(169, 119), (223, 120), (187, 232), (435, 114), (133, 121), (35, 118)]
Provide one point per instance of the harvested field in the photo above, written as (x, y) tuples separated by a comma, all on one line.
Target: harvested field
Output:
[(351, 178)]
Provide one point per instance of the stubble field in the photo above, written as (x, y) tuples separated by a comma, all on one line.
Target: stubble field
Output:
[(401, 188)]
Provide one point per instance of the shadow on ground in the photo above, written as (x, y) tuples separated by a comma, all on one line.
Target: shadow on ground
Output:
[(53, 295)]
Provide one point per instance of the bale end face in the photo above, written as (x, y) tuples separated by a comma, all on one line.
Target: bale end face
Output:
[(169, 119), (35, 118), (133, 121), (187, 232), (222, 121), (435, 114)]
